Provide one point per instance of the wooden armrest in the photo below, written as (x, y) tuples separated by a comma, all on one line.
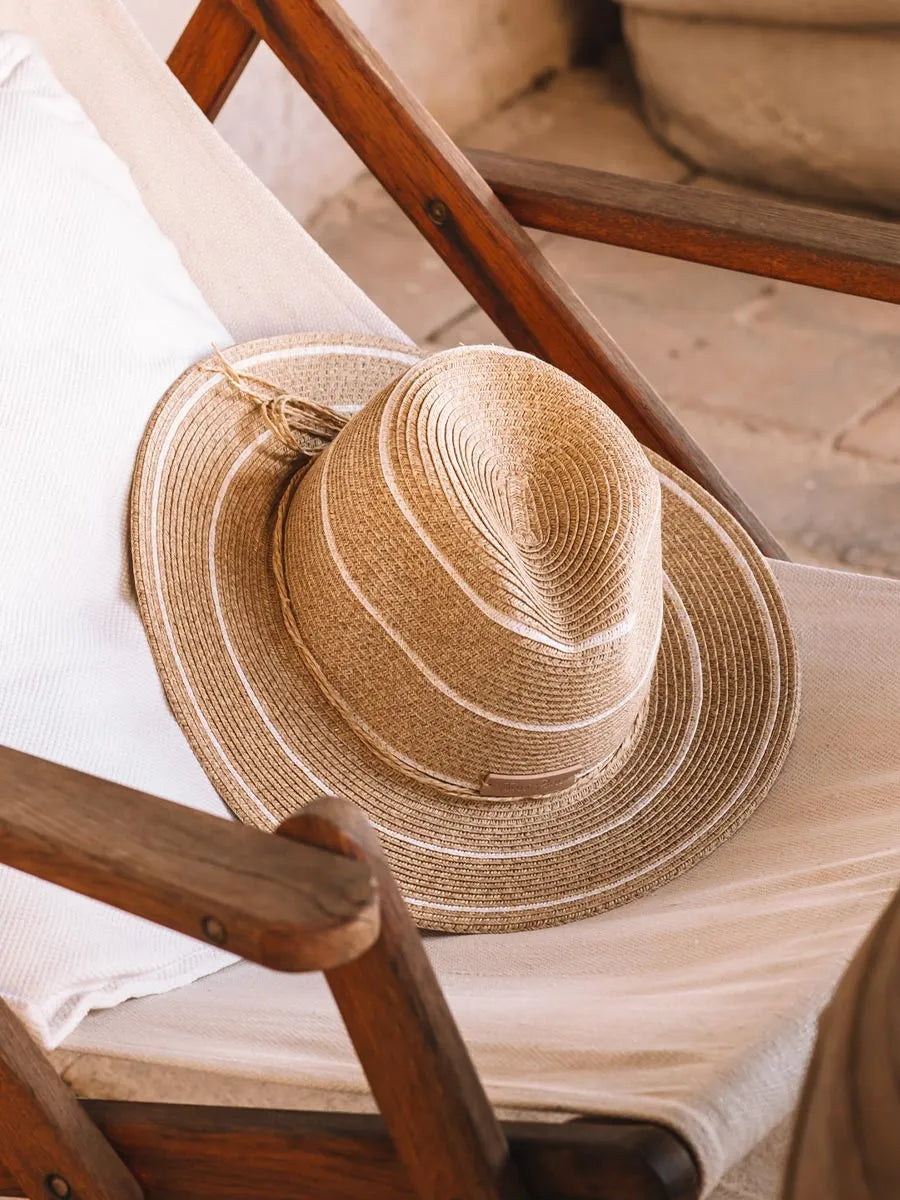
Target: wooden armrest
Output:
[(782, 241), (288, 906)]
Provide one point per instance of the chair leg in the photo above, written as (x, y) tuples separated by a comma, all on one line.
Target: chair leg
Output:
[(423, 1080), (49, 1143)]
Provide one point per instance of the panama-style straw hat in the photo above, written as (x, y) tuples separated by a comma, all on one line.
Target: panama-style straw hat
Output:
[(550, 668)]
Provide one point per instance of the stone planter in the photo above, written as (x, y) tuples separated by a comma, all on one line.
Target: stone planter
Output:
[(797, 95)]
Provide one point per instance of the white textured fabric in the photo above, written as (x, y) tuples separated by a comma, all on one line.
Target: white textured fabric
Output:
[(257, 268), (694, 1005), (813, 111), (96, 319), (97, 315)]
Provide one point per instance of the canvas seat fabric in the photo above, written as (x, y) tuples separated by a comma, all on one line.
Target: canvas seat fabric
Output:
[(696, 1005)]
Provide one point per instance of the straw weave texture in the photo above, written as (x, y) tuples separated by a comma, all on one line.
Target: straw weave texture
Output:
[(482, 573)]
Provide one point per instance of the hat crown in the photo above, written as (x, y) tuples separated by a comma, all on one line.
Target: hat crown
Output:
[(473, 570)]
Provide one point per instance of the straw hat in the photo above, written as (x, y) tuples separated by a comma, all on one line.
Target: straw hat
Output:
[(551, 669)]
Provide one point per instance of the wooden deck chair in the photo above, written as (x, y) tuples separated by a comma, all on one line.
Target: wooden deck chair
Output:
[(319, 897)]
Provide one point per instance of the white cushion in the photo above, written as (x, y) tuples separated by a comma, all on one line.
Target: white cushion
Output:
[(694, 1006), (259, 270), (98, 317)]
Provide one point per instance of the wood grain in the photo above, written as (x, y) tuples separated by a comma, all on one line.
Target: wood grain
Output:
[(451, 204), (762, 237), (407, 1041), (293, 908), (184, 1152), (208, 58), (847, 1135), (48, 1143)]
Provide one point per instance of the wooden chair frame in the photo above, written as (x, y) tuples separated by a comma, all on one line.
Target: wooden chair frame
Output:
[(319, 896)]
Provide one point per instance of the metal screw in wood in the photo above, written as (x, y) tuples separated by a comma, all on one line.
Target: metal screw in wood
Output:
[(214, 930), (437, 210)]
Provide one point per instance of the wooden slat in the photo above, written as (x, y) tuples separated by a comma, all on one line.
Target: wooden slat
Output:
[(762, 237), (289, 907), (847, 1134), (487, 249), (183, 1152), (211, 53), (48, 1143), (407, 1041)]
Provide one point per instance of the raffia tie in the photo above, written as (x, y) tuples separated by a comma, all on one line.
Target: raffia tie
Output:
[(296, 421)]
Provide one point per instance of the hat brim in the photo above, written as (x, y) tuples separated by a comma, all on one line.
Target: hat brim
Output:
[(717, 726)]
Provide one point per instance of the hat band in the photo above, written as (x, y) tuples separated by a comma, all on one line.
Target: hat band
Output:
[(493, 785), (517, 786)]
